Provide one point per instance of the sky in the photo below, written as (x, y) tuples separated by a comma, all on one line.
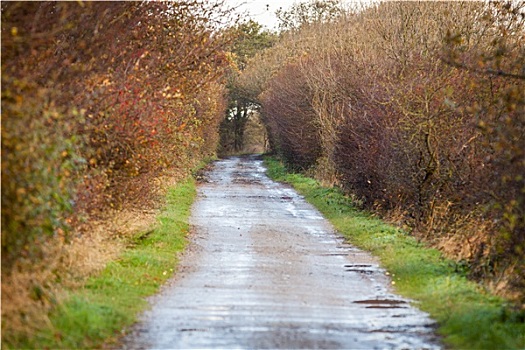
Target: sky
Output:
[(262, 11)]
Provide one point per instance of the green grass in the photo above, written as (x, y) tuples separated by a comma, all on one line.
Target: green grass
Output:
[(468, 316), (111, 301)]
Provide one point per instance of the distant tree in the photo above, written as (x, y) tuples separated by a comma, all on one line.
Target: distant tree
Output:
[(313, 11), (250, 39)]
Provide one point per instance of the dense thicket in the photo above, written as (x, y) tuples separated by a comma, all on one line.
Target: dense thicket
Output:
[(98, 100), (417, 109)]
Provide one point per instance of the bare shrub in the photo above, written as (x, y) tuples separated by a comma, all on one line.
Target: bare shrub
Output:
[(291, 118), (417, 109)]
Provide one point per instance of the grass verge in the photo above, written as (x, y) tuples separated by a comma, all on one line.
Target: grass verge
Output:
[(468, 317), (111, 301)]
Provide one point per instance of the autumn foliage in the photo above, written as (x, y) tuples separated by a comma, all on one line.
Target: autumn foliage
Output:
[(99, 100), (418, 110)]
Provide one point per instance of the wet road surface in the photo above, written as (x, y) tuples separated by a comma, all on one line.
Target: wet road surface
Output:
[(265, 270)]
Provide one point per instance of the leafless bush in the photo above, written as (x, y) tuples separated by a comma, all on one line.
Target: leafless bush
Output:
[(417, 109)]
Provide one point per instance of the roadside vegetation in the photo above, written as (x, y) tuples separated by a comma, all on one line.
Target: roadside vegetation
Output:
[(111, 300), (242, 130), (469, 316), (105, 105), (417, 110)]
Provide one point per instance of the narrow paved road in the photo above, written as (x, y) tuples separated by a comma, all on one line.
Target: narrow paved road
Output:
[(265, 270)]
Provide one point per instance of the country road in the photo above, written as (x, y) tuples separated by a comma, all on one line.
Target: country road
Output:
[(265, 270)]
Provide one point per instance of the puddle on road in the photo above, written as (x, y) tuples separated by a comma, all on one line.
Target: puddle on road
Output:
[(334, 254), (383, 303), (366, 269)]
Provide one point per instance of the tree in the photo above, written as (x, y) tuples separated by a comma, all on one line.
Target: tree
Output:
[(311, 12), (250, 39)]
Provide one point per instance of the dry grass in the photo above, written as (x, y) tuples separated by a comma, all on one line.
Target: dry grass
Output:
[(32, 289), (472, 241), (468, 244), (29, 293), (468, 240)]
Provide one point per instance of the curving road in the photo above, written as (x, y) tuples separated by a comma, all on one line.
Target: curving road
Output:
[(266, 270)]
